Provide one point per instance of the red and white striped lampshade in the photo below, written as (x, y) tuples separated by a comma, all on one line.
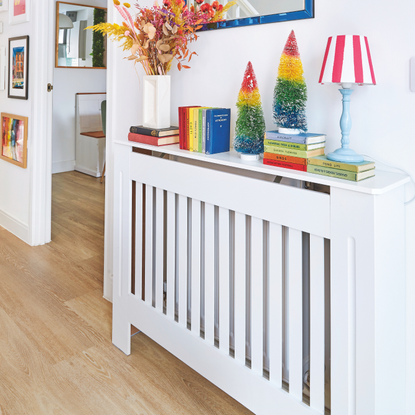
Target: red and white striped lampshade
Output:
[(347, 60)]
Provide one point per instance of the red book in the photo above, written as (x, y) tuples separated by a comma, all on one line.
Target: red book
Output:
[(154, 141), (182, 127), (285, 164), (282, 157)]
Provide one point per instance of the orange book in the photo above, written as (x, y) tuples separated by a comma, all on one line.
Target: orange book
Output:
[(282, 157)]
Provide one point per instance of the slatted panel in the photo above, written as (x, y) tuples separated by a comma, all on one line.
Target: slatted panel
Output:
[(171, 253), (240, 287), (224, 303), (295, 313), (182, 258), (138, 239), (257, 283), (149, 246), (275, 302), (209, 273), (195, 261), (159, 248), (317, 323)]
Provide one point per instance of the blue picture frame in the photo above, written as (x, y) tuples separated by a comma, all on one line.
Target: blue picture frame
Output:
[(307, 13)]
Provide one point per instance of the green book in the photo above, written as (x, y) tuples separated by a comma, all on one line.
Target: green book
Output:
[(200, 129), (292, 152), (294, 146), (340, 174), (356, 167)]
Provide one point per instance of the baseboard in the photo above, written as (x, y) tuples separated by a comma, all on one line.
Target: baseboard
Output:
[(63, 166), (87, 171), (15, 226)]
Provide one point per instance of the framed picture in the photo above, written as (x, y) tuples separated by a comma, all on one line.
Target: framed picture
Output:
[(18, 11), (4, 5), (13, 146), (18, 67)]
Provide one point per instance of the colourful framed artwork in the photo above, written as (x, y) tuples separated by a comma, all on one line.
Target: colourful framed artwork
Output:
[(4, 5), (13, 146), (18, 11), (18, 67)]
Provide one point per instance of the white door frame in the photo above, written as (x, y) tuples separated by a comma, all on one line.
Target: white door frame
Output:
[(42, 57)]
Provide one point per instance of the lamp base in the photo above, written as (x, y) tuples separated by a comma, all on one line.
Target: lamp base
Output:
[(345, 155)]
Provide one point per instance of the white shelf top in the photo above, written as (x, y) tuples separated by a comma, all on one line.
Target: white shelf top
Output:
[(382, 182)]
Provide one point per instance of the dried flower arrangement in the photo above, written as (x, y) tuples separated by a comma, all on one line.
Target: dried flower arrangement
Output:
[(157, 35)]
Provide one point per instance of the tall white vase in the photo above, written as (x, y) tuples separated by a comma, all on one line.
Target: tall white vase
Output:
[(156, 101)]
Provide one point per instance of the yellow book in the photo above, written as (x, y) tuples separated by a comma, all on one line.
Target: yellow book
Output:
[(191, 129), (195, 139)]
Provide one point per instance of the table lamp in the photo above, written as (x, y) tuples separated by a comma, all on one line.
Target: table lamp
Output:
[(347, 61)]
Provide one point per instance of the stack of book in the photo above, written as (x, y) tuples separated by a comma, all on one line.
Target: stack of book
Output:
[(346, 171), (292, 151), (204, 129), (154, 136)]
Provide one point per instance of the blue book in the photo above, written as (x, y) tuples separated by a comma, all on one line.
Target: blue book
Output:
[(303, 138), (218, 130)]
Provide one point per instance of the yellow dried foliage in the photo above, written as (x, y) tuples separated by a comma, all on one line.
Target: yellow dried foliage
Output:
[(114, 31)]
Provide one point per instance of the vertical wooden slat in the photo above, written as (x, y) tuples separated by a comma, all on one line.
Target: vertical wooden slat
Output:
[(138, 281), (317, 323), (275, 303), (149, 246), (182, 258), (195, 266), (224, 300), (240, 287), (257, 295), (171, 252), (295, 313), (159, 248), (209, 273)]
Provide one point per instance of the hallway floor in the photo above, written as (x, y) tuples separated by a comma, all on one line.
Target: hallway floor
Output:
[(56, 355)]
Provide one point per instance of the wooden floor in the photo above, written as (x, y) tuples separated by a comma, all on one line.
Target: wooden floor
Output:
[(56, 355)]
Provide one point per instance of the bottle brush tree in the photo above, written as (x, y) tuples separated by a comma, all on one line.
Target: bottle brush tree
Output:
[(290, 93), (250, 123)]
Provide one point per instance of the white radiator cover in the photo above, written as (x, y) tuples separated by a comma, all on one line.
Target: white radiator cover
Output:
[(272, 273)]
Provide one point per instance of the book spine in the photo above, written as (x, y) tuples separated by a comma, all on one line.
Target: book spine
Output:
[(285, 144), (208, 132), (186, 131), (181, 127), (294, 153), (339, 174), (285, 164), (200, 130), (191, 129), (204, 131), (282, 157), (144, 139), (286, 138), (196, 130), (144, 131), (339, 166)]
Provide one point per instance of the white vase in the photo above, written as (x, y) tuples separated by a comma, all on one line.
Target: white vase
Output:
[(156, 101)]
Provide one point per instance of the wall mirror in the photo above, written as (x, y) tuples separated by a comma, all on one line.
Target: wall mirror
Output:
[(251, 12), (76, 47)]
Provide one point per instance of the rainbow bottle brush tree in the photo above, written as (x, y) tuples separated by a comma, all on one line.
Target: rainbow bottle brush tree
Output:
[(290, 93), (250, 124)]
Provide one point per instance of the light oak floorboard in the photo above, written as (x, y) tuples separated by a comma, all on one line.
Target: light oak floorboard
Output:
[(56, 354)]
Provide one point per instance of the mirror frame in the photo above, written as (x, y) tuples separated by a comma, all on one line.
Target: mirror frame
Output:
[(307, 13), (57, 35)]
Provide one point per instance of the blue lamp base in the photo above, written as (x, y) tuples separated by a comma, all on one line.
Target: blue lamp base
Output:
[(345, 154)]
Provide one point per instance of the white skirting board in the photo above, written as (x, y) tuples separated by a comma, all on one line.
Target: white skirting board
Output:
[(63, 166), (15, 226)]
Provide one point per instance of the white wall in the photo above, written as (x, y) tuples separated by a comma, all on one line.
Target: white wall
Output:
[(382, 115), (67, 82), (15, 181)]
